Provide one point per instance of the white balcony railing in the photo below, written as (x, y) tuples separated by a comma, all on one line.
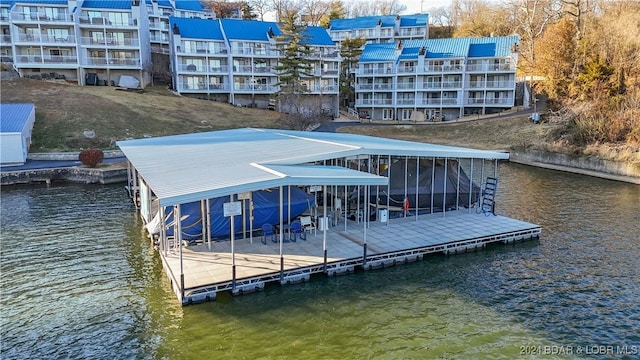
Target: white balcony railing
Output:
[(49, 59), (192, 68), (40, 18), (263, 88), (490, 67), (110, 42), (105, 22), (43, 38), (113, 62), (203, 87), (406, 86)]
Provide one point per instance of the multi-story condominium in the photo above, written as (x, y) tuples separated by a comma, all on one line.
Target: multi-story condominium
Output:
[(437, 78), (235, 61), (159, 13), (6, 51), (71, 39), (381, 29)]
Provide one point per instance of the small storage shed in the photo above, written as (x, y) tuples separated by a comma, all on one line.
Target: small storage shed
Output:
[(16, 124)]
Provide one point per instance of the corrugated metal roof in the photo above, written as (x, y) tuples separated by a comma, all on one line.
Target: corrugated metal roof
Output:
[(249, 29), (6, 3), (503, 45), (43, 2), (165, 3), (14, 117), (107, 4), (363, 22), (482, 50), (197, 28), (317, 35), (414, 20), (190, 167), (192, 5), (383, 52), (409, 53)]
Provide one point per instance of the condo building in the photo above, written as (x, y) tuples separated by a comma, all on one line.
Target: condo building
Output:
[(437, 79)]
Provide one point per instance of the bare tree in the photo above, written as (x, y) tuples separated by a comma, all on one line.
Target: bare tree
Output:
[(261, 7), (314, 10), (442, 24), (282, 7)]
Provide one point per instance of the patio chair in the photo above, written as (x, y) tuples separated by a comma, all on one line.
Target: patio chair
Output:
[(308, 225), (267, 232), (295, 229)]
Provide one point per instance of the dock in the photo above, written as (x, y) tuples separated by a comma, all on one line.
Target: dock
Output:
[(208, 268)]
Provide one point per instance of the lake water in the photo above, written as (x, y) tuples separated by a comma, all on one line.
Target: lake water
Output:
[(81, 281)]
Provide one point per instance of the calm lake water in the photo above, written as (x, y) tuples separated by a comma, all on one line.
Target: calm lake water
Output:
[(81, 281)]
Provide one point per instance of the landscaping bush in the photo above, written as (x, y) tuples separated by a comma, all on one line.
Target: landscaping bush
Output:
[(91, 157)]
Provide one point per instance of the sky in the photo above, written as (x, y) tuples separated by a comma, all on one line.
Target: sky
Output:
[(413, 6)]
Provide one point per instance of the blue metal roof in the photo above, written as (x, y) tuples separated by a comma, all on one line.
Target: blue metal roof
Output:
[(482, 50), (6, 3), (107, 4), (165, 3), (317, 35), (363, 22), (414, 20), (502, 46), (14, 117), (197, 28), (40, 2), (191, 5), (379, 52), (409, 53), (248, 29)]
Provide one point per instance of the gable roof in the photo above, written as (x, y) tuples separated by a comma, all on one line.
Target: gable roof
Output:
[(39, 2), (317, 35), (14, 116), (252, 30), (385, 21), (197, 28), (378, 52)]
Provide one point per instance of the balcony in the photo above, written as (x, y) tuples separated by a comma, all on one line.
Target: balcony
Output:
[(45, 39), (49, 59), (406, 86), (383, 86), (110, 42), (158, 26), (490, 67), (5, 40), (406, 102), (255, 88), (370, 102), (40, 18), (104, 62), (159, 39), (86, 21), (407, 70), (203, 87), (388, 71), (501, 101)]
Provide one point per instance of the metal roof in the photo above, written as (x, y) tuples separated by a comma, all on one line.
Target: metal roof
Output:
[(317, 35), (39, 2), (378, 52), (191, 5), (503, 45), (249, 29), (414, 20), (191, 167), (14, 117), (107, 4), (197, 28)]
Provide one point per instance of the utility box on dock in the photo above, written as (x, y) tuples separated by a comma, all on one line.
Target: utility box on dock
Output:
[(323, 223), (383, 215)]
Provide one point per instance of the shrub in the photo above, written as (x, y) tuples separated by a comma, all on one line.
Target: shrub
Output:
[(91, 157)]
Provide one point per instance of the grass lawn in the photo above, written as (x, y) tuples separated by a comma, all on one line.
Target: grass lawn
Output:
[(65, 111)]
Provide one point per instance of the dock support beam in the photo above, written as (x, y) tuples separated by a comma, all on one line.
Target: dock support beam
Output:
[(324, 225)]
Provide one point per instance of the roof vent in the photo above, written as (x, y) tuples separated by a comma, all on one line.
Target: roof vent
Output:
[(176, 30), (379, 22), (399, 45), (397, 17), (270, 32), (514, 47), (423, 51)]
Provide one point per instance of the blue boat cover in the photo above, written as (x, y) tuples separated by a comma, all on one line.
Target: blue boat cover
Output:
[(266, 204)]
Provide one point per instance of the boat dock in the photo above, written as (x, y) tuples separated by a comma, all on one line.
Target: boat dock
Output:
[(208, 268)]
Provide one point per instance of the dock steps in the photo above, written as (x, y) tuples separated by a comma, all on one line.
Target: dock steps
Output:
[(489, 196)]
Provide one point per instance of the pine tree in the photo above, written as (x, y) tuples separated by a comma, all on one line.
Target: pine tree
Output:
[(295, 68)]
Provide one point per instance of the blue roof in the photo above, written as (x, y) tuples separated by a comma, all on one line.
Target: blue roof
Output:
[(482, 50), (43, 2), (441, 49), (249, 29), (8, 3), (14, 117), (370, 22), (197, 28), (107, 4), (191, 5), (165, 3), (383, 52), (414, 20), (317, 35)]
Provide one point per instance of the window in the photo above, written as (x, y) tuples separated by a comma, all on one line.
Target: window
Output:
[(30, 12), (97, 37), (387, 114), (53, 13), (58, 34), (116, 38), (119, 18)]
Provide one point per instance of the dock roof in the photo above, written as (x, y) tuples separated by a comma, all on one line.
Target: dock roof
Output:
[(191, 167), (15, 116)]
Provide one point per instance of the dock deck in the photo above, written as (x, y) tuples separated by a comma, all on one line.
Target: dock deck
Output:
[(207, 268)]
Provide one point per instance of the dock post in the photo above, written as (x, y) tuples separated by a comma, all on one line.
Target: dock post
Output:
[(324, 225), (364, 255), (233, 252)]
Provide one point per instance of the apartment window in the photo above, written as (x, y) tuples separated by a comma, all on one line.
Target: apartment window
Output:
[(97, 37), (52, 13), (215, 65), (94, 15), (30, 12), (58, 34), (196, 62), (116, 38), (119, 18), (406, 114), (189, 46), (215, 47), (4, 13)]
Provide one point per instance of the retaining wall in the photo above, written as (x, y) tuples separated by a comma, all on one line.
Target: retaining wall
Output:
[(112, 174)]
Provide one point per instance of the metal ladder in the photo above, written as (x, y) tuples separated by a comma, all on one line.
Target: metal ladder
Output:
[(489, 195)]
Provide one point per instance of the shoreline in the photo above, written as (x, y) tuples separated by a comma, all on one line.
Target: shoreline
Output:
[(116, 172)]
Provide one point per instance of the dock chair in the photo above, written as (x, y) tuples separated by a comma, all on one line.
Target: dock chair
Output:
[(267, 232), (308, 225), (295, 229)]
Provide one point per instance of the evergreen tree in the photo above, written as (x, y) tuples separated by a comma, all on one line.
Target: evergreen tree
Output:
[(295, 68), (350, 51)]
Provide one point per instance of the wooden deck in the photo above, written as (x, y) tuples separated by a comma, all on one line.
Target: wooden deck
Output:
[(208, 269)]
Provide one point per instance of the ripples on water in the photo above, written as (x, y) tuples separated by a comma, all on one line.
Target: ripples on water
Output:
[(79, 280)]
